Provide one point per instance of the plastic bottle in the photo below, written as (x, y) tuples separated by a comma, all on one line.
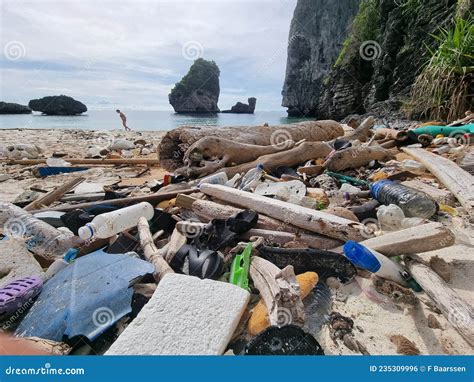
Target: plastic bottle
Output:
[(390, 217), (251, 178), (219, 178), (60, 264), (110, 223), (317, 308), (374, 262), (41, 238), (414, 203)]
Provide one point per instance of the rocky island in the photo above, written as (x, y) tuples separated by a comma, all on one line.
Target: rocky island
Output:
[(58, 105), (13, 108), (198, 91), (242, 108)]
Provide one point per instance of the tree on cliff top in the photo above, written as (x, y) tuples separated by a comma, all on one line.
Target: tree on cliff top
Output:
[(203, 75)]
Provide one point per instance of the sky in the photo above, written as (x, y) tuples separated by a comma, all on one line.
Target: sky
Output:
[(129, 54)]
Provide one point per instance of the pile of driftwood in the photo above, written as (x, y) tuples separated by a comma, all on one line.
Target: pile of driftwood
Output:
[(199, 151)]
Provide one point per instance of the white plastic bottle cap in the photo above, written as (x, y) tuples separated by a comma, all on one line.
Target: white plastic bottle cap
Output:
[(86, 232)]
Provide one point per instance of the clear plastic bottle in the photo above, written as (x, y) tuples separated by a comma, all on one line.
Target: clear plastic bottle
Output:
[(414, 203), (219, 178), (41, 238), (106, 225), (251, 178), (317, 306), (390, 217)]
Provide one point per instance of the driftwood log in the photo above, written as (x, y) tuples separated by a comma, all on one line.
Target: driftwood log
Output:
[(53, 195), (457, 311), (281, 237), (266, 226), (210, 154), (355, 157), (293, 157), (427, 237), (123, 202), (151, 252), (176, 142), (176, 241), (362, 133), (398, 135), (306, 218), (453, 177), (102, 162), (279, 291)]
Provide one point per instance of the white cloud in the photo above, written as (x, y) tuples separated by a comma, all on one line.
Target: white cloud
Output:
[(130, 51)]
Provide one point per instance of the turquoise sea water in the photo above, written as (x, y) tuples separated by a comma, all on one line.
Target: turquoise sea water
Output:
[(140, 120)]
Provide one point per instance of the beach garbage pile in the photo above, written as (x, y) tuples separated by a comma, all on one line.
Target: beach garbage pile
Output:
[(265, 261)]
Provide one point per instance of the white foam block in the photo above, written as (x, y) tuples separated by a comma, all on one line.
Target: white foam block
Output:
[(185, 316)]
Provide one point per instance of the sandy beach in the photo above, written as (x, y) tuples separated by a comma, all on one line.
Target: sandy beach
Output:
[(75, 144)]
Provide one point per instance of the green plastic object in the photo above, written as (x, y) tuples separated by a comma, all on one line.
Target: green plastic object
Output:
[(447, 131), (239, 270), (348, 179)]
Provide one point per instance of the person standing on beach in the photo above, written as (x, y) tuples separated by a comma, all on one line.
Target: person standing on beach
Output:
[(123, 117)]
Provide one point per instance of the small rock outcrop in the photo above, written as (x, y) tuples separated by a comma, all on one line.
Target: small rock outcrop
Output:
[(198, 91), (58, 105), (242, 108), (14, 108), (317, 31)]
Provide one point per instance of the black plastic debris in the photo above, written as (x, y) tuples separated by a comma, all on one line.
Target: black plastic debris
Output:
[(324, 263), (285, 340)]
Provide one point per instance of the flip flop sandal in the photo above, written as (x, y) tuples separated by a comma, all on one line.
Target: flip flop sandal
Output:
[(220, 232), (285, 170), (285, 340), (324, 263), (19, 292), (205, 264)]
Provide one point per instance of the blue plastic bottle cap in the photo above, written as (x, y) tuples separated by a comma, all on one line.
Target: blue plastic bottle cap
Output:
[(375, 187), (361, 257)]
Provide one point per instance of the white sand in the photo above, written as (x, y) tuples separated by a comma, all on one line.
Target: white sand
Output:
[(72, 142), (380, 318)]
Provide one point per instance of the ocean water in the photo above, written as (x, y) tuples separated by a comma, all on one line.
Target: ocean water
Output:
[(140, 120)]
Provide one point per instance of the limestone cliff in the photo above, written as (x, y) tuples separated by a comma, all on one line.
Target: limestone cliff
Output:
[(376, 65), (316, 34)]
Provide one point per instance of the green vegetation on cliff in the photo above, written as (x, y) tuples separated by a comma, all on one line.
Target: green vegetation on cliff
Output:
[(203, 75), (443, 90), (365, 27)]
